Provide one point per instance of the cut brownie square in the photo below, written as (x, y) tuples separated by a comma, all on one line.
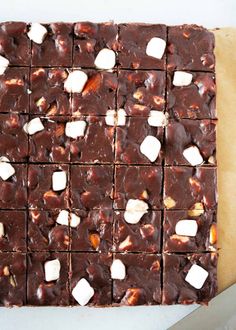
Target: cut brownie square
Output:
[(56, 48), (15, 44), (12, 279), (141, 91), (48, 186), (47, 279), (194, 98), (144, 236), (48, 96), (133, 41), (45, 233), (138, 182), (90, 39), (189, 278), (94, 232), (190, 47), (14, 90), (190, 188), (183, 232), (131, 136), (199, 135), (94, 268), (142, 282), (91, 186), (13, 231), (13, 138)]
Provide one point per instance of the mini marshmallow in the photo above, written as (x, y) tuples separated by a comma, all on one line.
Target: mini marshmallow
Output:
[(33, 126), (110, 117), (186, 228), (4, 159), (2, 233), (37, 33), (182, 78), (150, 147), (156, 47), (196, 276), (118, 270), (134, 211), (74, 220), (75, 81), (193, 156), (105, 59), (3, 64), (75, 129), (157, 119), (121, 117), (52, 270), (59, 180), (83, 292), (63, 218), (6, 170)]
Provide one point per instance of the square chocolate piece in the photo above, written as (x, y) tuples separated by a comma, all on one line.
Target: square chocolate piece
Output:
[(141, 91), (91, 186), (184, 134), (94, 232), (95, 269), (142, 283), (196, 100), (98, 95), (190, 47), (133, 41), (183, 232), (13, 191), (48, 96), (42, 288), (190, 188), (129, 138), (14, 90), (12, 279), (56, 48), (176, 290), (44, 233), (145, 236), (97, 143), (90, 39), (48, 186), (13, 231), (138, 182), (15, 44), (13, 138)]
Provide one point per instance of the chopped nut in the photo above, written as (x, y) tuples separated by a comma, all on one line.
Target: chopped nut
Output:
[(139, 107), (41, 102), (52, 110), (211, 160), (147, 231), (66, 240), (49, 194), (180, 239), (213, 234), (169, 202), (131, 296), (92, 84), (144, 194), (12, 281), (94, 240), (6, 271), (155, 266), (18, 82), (138, 95), (195, 184), (158, 100), (126, 244), (195, 213), (60, 130)]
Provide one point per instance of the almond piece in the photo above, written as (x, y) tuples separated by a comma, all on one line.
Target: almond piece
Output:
[(92, 84), (169, 202), (94, 240), (213, 234)]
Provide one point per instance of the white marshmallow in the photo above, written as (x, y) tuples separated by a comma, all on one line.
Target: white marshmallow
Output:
[(75, 81), (134, 211), (83, 292), (75, 129), (193, 156), (121, 117), (110, 118), (63, 218), (59, 180), (157, 119), (37, 33), (33, 126), (156, 47), (4, 159), (118, 270), (150, 147), (182, 78), (2, 233), (196, 276), (3, 64), (186, 228), (52, 270), (6, 170), (74, 220), (105, 59)]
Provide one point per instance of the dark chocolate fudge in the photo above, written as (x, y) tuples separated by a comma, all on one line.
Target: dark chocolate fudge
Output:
[(176, 290), (141, 91)]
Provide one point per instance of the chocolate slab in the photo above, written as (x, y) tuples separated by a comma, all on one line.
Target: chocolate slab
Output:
[(141, 237), (138, 182), (142, 283), (176, 290), (205, 239), (90, 38), (184, 133), (95, 268), (141, 91), (133, 40), (12, 279), (190, 47), (43, 293)]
